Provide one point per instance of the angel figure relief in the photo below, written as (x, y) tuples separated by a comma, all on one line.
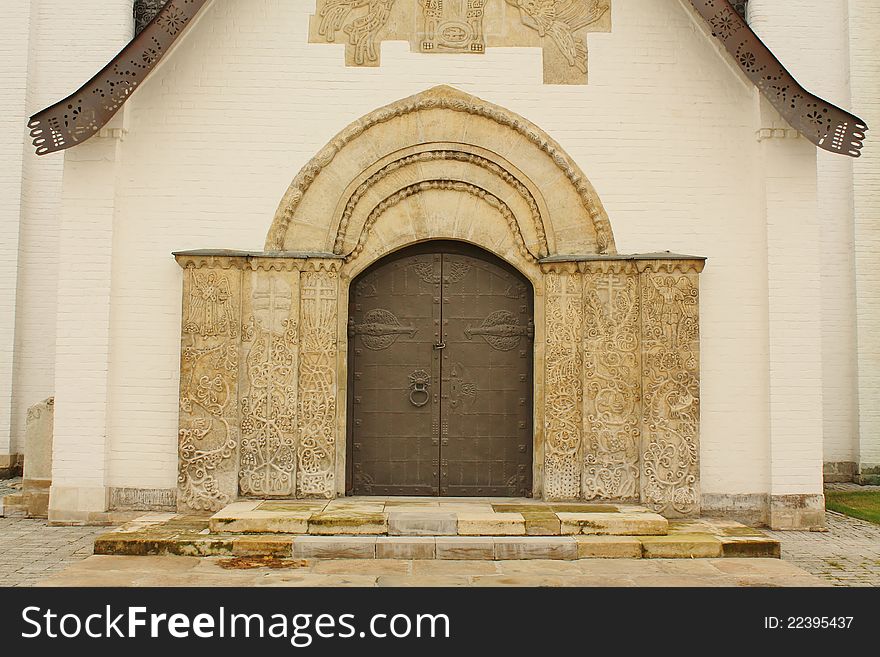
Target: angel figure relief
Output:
[(673, 305), (559, 20), (362, 31)]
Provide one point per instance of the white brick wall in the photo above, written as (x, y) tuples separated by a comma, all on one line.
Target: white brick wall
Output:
[(665, 130), (811, 38), (864, 36), (15, 22), (53, 46)]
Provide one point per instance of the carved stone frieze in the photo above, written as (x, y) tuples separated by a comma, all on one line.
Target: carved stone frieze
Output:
[(670, 388), (317, 382), (414, 160), (563, 398), (560, 27), (612, 383), (270, 359), (209, 426)]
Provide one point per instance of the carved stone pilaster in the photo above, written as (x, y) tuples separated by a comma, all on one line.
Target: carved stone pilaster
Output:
[(209, 429), (563, 398), (671, 386), (318, 379), (612, 381), (268, 382)]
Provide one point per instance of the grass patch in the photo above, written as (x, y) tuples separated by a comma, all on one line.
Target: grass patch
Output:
[(864, 505)]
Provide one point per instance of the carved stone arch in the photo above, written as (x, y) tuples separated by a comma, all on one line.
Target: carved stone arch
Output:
[(474, 167), (472, 142)]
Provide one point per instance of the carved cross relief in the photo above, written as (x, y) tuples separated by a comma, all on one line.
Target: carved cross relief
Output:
[(559, 27)]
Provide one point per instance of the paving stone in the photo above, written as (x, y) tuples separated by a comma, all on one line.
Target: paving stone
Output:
[(432, 523), (750, 546), (334, 547), (491, 524), (614, 524), (608, 547), (312, 580), (541, 523), (405, 547), (539, 567), (680, 546), (348, 522), (363, 566), (465, 547), (245, 546), (261, 522), (437, 567), (536, 547), (423, 580)]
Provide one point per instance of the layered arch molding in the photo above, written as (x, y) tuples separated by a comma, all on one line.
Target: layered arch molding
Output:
[(403, 156)]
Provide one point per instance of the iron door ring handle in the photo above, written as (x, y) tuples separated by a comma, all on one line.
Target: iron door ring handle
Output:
[(419, 389), (418, 383)]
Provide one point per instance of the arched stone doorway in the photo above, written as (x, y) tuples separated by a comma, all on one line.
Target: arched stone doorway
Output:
[(440, 375), (265, 381)]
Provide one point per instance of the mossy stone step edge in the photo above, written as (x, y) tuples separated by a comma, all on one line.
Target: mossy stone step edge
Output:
[(439, 547)]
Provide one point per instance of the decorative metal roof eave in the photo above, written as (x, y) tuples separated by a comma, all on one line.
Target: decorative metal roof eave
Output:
[(81, 115), (824, 124)]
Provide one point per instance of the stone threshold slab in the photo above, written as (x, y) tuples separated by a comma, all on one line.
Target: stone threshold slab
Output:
[(418, 517)]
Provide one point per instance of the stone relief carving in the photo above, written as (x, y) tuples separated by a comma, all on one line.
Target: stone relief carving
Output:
[(466, 26), (612, 382), (208, 435), (317, 383), (453, 26), (270, 354), (670, 389), (450, 156), (442, 98), (563, 400), (620, 408), (210, 310), (559, 20), (446, 185), (362, 31)]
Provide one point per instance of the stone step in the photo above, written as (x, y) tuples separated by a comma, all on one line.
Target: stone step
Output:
[(188, 542), (449, 519)]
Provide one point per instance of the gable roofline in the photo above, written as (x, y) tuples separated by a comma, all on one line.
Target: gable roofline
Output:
[(81, 115)]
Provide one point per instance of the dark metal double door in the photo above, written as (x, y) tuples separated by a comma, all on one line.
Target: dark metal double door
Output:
[(440, 389)]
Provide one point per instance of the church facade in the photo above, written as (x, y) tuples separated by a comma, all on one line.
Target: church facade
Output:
[(563, 249)]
